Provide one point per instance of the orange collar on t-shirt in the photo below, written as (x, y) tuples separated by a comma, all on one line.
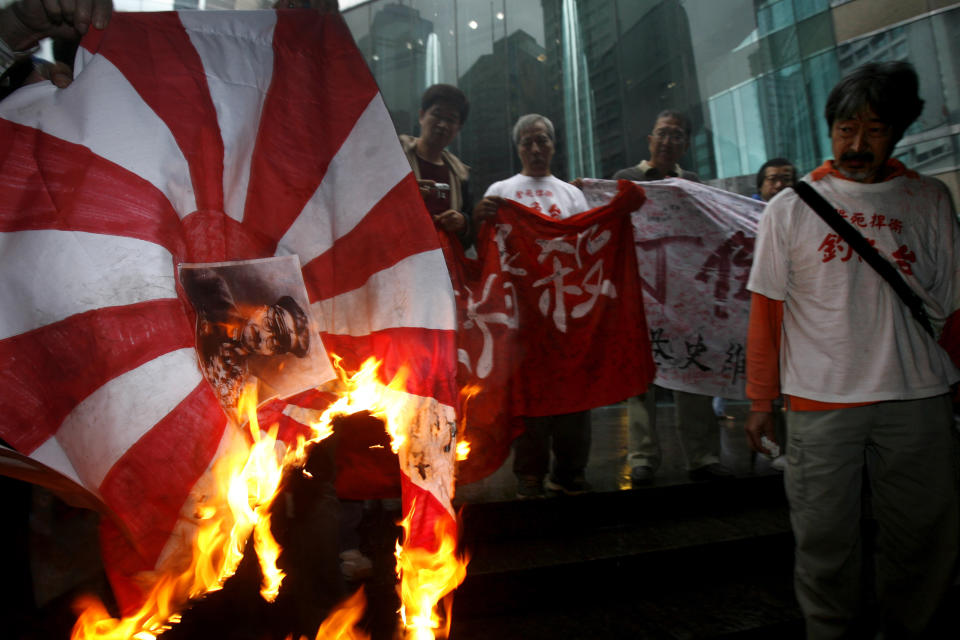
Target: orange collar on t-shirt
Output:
[(895, 169)]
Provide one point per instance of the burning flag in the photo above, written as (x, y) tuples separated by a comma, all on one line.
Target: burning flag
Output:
[(199, 137)]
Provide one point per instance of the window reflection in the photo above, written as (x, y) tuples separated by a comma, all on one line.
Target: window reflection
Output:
[(752, 76)]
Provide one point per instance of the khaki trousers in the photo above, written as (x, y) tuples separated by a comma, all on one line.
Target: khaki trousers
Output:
[(696, 426), (909, 452)]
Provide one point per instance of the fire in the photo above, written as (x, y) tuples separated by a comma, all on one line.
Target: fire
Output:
[(244, 482), (467, 393), (341, 624), (427, 578)]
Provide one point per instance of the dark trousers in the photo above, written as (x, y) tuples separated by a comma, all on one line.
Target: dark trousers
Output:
[(567, 434)]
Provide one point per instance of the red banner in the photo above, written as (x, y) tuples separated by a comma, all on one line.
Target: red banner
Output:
[(550, 321)]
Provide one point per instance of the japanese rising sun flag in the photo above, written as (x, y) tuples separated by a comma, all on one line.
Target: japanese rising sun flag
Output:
[(203, 137)]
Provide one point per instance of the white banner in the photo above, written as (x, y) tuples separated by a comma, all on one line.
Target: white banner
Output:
[(694, 249)]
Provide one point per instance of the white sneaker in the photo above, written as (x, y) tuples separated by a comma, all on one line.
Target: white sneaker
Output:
[(354, 565), (779, 463)]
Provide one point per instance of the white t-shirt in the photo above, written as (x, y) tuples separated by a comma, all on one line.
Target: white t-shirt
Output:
[(847, 336), (548, 195)]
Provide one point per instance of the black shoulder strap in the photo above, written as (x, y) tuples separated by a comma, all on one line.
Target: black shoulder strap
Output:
[(866, 250)]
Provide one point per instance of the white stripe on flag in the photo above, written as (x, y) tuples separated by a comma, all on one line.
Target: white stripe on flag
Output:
[(123, 410), (51, 275), (51, 454), (415, 292), (238, 87), (104, 113), (372, 148)]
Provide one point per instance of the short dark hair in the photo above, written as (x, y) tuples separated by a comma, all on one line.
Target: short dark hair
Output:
[(773, 162), (676, 115), (891, 89), (449, 94)]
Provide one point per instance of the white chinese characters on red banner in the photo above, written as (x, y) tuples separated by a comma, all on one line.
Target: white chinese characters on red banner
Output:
[(551, 322), (694, 248)]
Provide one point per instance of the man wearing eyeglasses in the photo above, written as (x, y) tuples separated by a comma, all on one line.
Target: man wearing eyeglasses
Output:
[(774, 176), (696, 421), (668, 141)]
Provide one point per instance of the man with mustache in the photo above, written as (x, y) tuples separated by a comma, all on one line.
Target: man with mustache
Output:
[(866, 384)]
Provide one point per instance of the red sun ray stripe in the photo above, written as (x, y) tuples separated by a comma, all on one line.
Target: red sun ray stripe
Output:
[(49, 183), (310, 110), (180, 97), (425, 353), (45, 373), (178, 449), (364, 251), (431, 520)]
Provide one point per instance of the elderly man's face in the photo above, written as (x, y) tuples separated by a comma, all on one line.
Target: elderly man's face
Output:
[(266, 328), (775, 180), (861, 145), (535, 149), (668, 142)]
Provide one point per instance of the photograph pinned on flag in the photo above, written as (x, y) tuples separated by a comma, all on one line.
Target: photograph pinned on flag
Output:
[(254, 326)]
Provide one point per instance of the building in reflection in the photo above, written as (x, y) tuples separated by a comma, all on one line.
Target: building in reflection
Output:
[(502, 86), (643, 62), (396, 50), (753, 75)]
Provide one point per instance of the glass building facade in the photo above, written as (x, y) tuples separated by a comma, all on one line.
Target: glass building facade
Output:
[(752, 75)]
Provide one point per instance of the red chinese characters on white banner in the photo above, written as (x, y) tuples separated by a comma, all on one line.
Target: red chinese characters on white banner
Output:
[(694, 250)]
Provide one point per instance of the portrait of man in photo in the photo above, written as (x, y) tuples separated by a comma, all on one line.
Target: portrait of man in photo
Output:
[(252, 326)]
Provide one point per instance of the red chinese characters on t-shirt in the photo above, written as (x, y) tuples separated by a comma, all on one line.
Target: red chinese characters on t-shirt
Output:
[(833, 245), (528, 197)]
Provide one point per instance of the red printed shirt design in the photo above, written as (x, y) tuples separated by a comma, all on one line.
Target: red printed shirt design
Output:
[(833, 246), (528, 198)]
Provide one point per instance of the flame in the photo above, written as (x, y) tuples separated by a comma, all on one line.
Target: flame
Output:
[(427, 578), (341, 624), (467, 393), (245, 482)]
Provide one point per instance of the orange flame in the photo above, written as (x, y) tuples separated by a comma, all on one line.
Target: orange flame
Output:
[(341, 623), (427, 580), (244, 481), (467, 393)]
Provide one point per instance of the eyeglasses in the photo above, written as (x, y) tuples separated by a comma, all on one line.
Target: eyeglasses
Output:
[(778, 177), (673, 135)]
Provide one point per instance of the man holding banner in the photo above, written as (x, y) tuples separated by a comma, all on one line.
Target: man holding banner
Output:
[(567, 434), (695, 419)]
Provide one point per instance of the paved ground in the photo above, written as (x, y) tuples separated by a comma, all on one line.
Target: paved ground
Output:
[(608, 470)]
